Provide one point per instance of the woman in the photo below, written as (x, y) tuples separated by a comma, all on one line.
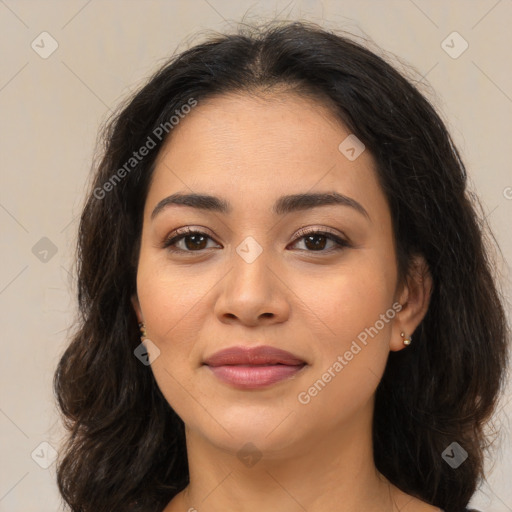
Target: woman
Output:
[(286, 219)]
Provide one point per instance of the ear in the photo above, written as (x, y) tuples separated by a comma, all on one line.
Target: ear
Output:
[(415, 299), (136, 307)]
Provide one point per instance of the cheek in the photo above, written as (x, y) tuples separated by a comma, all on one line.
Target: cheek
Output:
[(167, 296), (344, 301), (348, 364), (350, 320), (169, 302)]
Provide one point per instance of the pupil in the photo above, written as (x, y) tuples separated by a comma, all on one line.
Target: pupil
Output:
[(196, 244), (316, 245)]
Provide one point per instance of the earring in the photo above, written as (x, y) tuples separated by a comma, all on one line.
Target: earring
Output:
[(142, 328), (407, 341)]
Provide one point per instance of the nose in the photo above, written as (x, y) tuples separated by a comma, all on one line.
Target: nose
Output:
[(253, 293)]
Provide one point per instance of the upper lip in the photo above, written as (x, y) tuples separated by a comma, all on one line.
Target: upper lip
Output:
[(253, 356)]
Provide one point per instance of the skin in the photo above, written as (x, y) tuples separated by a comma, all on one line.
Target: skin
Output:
[(250, 150)]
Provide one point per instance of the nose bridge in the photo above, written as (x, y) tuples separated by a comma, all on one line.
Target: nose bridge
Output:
[(251, 263), (251, 288)]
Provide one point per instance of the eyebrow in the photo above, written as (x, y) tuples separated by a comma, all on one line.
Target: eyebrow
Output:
[(283, 205)]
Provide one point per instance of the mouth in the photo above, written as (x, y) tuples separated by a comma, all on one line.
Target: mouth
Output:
[(253, 368)]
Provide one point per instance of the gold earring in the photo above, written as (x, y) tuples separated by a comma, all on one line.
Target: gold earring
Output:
[(407, 341), (142, 328)]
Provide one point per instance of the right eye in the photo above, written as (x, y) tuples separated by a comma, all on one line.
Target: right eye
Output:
[(190, 240)]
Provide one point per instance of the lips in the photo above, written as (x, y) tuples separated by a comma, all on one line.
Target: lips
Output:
[(252, 368), (263, 355)]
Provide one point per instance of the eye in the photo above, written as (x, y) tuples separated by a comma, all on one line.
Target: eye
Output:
[(316, 240), (196, 241), (191, 241)]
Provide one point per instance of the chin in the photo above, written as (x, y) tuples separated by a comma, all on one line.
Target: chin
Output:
[(265, 432)]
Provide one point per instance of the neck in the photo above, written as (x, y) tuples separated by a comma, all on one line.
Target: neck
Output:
[(331, 471)]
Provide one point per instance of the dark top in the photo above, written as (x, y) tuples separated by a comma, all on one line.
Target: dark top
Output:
[(465, 510)]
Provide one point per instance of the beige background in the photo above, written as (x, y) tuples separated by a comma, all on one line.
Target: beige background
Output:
[(51, 111)]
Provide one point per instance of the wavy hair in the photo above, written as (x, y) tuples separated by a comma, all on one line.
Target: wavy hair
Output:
[(125, 446)]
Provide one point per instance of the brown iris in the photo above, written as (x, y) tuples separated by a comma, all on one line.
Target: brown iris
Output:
[(317, 245), (197, 241)]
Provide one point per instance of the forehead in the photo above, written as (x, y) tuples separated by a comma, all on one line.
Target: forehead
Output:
[(258, 148)]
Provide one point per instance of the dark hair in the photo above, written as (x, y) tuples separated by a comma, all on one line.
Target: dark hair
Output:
[(126, 446)]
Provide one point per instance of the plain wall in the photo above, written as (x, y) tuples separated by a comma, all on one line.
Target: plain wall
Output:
[(51, 109)]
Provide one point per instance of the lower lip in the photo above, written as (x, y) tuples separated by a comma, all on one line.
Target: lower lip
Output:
[(254, 377)]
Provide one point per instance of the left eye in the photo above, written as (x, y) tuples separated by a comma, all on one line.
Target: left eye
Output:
[(317, 241)]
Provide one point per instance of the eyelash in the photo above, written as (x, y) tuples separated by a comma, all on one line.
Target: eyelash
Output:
[(302, 233)]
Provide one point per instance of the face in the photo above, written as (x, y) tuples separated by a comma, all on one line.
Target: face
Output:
[(318, 280)]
